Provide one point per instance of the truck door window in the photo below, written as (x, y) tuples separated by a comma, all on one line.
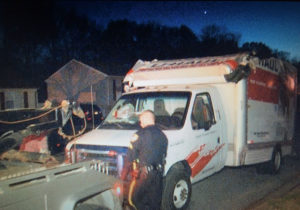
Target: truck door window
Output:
[(202, 114)]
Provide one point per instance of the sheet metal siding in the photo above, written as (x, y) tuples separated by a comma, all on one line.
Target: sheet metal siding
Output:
[(14, 97), (258, 156)]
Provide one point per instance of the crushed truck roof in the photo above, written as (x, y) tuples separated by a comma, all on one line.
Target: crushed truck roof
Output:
[(206, 70), (183, 71)]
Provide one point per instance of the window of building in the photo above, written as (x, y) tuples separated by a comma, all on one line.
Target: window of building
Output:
[(25, 95), (9, 104), (2, 101)]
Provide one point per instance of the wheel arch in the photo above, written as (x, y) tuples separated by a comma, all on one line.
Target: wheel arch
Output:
[(278, 146), (180, 165)]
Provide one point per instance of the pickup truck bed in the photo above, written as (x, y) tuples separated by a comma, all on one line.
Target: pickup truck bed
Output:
[(25, 185)]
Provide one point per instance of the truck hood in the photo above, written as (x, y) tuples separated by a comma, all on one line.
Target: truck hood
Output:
[(111, 137), (108, 137)]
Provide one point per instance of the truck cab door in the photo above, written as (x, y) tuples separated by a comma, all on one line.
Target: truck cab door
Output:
[(205, 138)]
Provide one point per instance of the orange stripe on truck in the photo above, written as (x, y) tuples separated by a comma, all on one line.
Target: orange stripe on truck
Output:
[(197, 162)]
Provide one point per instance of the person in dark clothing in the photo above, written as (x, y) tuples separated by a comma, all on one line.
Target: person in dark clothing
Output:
[(144, 164)]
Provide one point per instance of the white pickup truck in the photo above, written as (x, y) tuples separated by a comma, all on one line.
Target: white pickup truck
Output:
[(231, 110), (36, 185)]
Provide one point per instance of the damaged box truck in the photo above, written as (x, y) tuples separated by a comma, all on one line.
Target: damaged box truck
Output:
[(231, 110)]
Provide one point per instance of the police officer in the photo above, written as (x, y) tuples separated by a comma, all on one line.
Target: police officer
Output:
[(145, 165)]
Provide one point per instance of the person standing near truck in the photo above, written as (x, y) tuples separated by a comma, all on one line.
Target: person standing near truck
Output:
[(145, 163)]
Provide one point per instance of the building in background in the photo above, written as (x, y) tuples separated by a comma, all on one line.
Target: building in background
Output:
[(76, 81), (18, 98), (104, 93)]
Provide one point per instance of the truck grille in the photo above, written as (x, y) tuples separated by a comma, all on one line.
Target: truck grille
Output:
[(110, 159)]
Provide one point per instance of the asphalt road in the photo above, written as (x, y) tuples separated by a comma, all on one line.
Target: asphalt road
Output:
[(237, 188)]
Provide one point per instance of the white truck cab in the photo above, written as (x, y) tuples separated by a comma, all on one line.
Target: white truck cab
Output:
[(215, 111)]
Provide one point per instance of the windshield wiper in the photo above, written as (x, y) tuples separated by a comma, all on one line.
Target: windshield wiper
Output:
[(120, 125), (112, 125)]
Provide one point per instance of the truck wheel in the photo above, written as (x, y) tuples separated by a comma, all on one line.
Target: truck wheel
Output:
[(272, 166), (275, 163), (177, 190)]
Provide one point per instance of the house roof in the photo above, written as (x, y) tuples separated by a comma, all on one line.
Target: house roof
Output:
[(76, 64), (71, 79)]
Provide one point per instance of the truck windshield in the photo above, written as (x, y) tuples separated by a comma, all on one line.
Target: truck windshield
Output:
[(169, 108)]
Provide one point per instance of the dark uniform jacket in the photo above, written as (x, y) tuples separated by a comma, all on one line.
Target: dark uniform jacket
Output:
[(148, 147)]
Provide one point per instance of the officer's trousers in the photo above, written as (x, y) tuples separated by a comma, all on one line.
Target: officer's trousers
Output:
[(146, 191)]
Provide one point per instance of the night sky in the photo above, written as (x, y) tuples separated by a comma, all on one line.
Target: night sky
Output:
[(277, 24)]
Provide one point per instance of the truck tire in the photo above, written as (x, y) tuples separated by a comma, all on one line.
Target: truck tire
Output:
[(272, 166), (275, 163), (177, 190)]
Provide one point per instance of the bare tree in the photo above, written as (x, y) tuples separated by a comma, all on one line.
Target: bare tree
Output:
[(216, 40)]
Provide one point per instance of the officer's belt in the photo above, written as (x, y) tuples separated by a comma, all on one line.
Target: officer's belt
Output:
[(149, 168)]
